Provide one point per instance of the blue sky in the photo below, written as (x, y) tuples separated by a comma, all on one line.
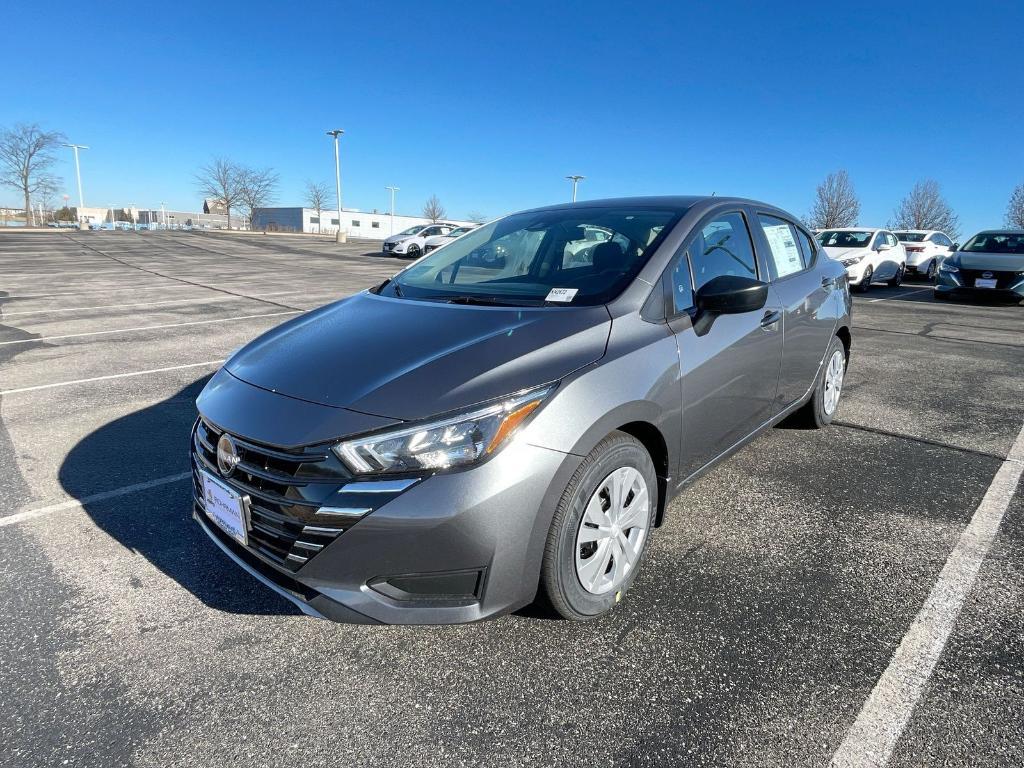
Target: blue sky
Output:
[(490, 105)]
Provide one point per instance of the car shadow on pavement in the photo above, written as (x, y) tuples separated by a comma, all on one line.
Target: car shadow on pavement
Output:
[(156, 522)]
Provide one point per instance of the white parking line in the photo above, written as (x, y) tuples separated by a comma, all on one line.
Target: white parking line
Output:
[(31, 514), (877, 729), (199, 300), (108, 377), (900, 296), (149, 327)]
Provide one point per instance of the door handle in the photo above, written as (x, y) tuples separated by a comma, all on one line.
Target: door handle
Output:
[(770, 318)]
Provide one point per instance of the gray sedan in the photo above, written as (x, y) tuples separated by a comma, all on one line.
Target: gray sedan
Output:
[(507, 419), (989, 264)]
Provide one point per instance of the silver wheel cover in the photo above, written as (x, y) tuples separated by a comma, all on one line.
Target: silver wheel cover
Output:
[(612, 532), (834, 372)]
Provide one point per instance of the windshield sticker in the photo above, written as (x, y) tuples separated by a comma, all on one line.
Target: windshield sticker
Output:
[(562, 294)]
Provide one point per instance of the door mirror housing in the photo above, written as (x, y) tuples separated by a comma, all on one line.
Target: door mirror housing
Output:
[(731, 295), (954, 247), (884, 247)]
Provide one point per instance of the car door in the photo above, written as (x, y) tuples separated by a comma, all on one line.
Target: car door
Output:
[(730, 370), (808, 320), (881, 255)]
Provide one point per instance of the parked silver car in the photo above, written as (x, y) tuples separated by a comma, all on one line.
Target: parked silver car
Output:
[(990, 264), (507, 416)]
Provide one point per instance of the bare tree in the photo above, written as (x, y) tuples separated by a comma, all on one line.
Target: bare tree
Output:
[(835, 203), (476, 217), (257, 189), (926, 208), (26, 155), (318, 195), (221, 181), (433, 210), (1015, 209)]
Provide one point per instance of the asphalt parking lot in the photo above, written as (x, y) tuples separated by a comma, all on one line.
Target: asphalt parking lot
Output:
[(771, 603)]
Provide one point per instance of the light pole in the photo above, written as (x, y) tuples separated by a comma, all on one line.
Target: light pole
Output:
[(393, 190), (575, 179), (163, 216), (78, 172), (337, 132)]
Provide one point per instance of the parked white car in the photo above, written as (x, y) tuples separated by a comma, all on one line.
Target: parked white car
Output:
[(926, 248), (433, 243), (869, 255), (410, 242)]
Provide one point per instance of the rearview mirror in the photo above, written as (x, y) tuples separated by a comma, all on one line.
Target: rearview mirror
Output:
[(732, 295)]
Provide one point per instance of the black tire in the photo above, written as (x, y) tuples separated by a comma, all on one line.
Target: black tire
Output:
[(865, 282), (560, 583), (413, 252), (813, 414), (897, 280)]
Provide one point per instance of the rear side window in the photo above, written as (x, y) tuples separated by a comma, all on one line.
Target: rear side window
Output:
[(722, 247), (787, 257)]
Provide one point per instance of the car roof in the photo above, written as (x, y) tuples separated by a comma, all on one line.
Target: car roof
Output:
[(1002, 232), (679, 203), (857, 229), (917, 231)]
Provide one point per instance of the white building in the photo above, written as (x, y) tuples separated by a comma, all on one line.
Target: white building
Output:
[(372, 226)]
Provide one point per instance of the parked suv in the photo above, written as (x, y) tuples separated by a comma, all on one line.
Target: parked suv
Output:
[(868, 255), (925, 249), (503, 418), (410, 243)]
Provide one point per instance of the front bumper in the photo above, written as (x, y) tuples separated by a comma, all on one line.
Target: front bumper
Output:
[(855, 272), (1009, 285), (452, 548)]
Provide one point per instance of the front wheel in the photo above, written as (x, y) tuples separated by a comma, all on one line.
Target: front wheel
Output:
[(865, 282), (600, 529), (413, 252)]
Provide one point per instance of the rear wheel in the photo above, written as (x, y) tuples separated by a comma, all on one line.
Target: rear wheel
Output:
[(930, 274), (865, 282), (600, 530), (819, 411), (897, 280)]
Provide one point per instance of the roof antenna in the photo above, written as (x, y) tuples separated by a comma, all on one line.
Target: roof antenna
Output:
[(713, 194)]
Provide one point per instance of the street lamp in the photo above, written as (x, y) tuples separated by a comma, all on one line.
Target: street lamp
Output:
[(575, 179), (337, 178), (393, 190), (78, 172)]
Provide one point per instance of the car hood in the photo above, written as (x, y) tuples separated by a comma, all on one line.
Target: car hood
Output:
[(397, 238), (405, 359), (997, 262), (846, 253)]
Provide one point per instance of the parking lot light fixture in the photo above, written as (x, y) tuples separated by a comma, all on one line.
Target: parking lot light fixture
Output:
[(336, 133), (393, 190), (575, 179), (78, 172)]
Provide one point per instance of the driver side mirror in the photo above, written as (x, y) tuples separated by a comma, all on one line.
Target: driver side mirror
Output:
[(954, 247), (884, 247), (732, 295)]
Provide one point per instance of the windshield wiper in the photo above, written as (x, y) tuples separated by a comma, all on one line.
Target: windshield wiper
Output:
[(489, 301)]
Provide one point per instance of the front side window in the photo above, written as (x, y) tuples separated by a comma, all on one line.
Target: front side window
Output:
[(722, 247), (518, 260), (783, 243), (410, 230), (844, 238)]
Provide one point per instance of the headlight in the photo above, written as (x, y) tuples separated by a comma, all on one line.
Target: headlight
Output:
[(949, 267), (852, 260), (453, 442)]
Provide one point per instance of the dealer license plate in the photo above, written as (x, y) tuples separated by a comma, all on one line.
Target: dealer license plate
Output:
[(983, 282), (225, 508)]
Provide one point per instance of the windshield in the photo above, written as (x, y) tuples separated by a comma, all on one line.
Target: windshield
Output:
[(996, 242), (911, 237), (833, 238), (520, 259), (413, 230)]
